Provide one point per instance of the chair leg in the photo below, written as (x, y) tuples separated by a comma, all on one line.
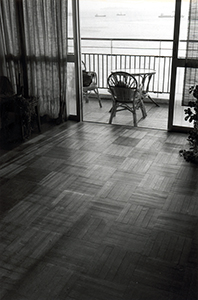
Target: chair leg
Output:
[(86, 97), (153, 100), (134, 118), (97, 93), (143, 109), (113, 113)]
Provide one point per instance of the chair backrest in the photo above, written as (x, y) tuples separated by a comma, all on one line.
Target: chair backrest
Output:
[(89, 78), (83, 66), (123, 86)]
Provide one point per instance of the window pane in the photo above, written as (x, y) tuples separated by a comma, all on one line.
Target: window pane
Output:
[(182, 90), (71, 89), (183, 28), (70, 28)]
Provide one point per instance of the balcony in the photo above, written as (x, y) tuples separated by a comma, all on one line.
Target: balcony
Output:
[(103, 55)]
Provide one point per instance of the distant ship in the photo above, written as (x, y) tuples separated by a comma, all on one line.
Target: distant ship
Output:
[(101, 16), (121, 15), (165, 16)]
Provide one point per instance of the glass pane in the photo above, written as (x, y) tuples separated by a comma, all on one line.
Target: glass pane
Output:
[(184, 28), (188, 44), (191, 77), (192, 45), (120, 35), (187, 76), (71, 89), (127, 19), (181, 90), (70, 28)]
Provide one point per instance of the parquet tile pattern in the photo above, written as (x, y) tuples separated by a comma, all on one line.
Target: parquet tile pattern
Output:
[(99, 212)]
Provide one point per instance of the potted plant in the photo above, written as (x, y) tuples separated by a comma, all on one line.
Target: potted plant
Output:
[(191, 112), (17, 118)]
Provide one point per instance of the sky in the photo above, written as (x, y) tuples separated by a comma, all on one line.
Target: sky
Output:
[(107, 2), (138, 14), (142, 5), (121, 1)]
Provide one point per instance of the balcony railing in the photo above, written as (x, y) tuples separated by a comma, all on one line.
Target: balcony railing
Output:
[(104, 55)]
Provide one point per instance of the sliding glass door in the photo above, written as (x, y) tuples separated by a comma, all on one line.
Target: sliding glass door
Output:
[(74, 90), (184, 56), (185, 64)]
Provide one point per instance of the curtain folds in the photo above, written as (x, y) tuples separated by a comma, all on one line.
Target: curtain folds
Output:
[(10, 43), (39, 45)]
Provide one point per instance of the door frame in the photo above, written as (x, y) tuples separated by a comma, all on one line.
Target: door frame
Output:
[(176, 63), (76, 59)]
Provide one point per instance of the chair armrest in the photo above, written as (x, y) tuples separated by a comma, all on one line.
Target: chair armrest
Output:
[(93, 76)]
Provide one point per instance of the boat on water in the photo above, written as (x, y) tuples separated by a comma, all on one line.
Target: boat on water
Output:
[(120, 15), (100, 16), (165, 16)]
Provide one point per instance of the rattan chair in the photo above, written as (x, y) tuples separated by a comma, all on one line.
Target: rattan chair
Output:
[(92, 86), (125, 95)]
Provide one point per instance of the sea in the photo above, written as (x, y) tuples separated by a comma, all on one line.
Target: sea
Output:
[(130, 19)]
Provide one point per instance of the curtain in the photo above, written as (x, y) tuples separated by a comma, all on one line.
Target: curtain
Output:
[(35, 36), (191, 73), (2, 56), (10, 42)]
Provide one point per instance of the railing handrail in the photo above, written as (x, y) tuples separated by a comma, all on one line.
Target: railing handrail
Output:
[(132, 39), (127, 39)]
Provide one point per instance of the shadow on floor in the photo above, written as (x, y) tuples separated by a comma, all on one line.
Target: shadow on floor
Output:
[(14, 138)]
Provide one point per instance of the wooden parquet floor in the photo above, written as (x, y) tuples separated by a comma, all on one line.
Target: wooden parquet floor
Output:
[(99, 212)]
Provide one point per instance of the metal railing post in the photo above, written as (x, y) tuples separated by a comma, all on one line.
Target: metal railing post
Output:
[(111, 54)]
